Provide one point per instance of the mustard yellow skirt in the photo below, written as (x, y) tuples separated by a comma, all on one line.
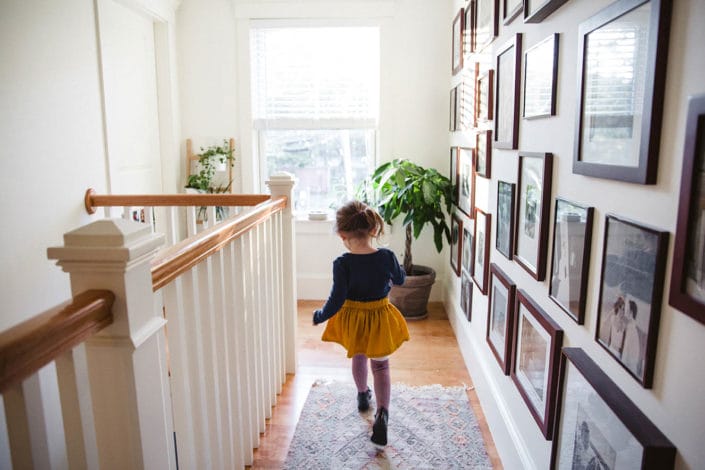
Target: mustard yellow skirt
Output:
[(375, 329)]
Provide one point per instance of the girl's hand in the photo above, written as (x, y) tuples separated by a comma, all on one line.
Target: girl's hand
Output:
[(317, 316)]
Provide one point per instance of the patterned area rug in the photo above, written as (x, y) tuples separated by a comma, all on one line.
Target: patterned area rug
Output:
[(430, 427)]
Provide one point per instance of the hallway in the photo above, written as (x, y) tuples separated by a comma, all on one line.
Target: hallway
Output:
[(430, 357)]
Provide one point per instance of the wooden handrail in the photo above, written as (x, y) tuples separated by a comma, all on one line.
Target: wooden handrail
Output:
[(30, 345), (183, 256), (93, 200)]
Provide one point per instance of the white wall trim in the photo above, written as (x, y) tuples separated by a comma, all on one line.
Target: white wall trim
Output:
[(315, 9)]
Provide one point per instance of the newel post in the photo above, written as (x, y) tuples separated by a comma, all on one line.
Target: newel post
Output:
[(127, 364), (282, 184)]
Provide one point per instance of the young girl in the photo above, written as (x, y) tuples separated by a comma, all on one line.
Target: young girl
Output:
[(361, 318)]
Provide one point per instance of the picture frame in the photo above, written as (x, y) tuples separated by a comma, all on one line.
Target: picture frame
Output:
[(455, 174), (466, 295), (687, 290), (469, 95), (500, 316), (629, 303), (596, 421), (468, 249), (483, 153), (485, 97), (508, 87), (481, 261), (537, 342), (570, 260), (532, 212), (469, 31), (504, 238), (456, 242), (540, 78), (617, 132), (452, 122), (466, 181), (535, 11), (458, 30), (511, 9), (486, 22)]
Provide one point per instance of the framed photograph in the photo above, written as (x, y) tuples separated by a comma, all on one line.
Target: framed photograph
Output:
[(572, 238), (483, 149), (452, 123), (469, 31), (598, 426), (458, 29), (535, 11), (456, 242), (500, 316), (466, 181), (532, 212), (455, 174), (485, 97), (508, 78), (505, 218), (466, 295), (469, 96), (537, 347), (486, 22), (511, 9), (480, 265), (620, 91), (540, 78), (631, 288), (688, 271), (468, 247)]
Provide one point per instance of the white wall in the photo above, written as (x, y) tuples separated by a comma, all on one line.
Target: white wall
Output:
[(676, 403)]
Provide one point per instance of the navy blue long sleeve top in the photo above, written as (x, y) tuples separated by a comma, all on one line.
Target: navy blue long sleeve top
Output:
[(361, 277)]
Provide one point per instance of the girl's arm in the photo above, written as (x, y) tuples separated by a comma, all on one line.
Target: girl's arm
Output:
[(398, 274), (337, 294)]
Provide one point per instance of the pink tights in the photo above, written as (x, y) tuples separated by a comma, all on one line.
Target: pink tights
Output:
[(380, 375)]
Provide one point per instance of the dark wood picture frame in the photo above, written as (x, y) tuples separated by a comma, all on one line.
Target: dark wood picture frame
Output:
[(631, 283), (453, 121), (466, 294), (536, 11), (455, 174), (469, 96), (570, 260), (456, 243), (483, 153), (468, 247), (469, 31), (466, 181), (541, 78), (504, 233), (481, 239), (485, 97), (458, 35), (508, 88), (531, 222), (687, 292), (591, 407), (616, 143), (486, 23), (500, 317), (536, 345), (511, 9)]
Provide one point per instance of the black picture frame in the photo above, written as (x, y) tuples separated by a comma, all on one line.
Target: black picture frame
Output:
[(537, 342), (485, 97), (570, 260), (455, 174), (486, 23), (504, 238), (596, 420), (511, 9), (466, 295), (458, 35), (456, 243), (531, 222), (466, 181), (500, 317), (453, 115), (618, 125), (629, 303), (483, 153), (541, 78), (507, 87), (687, 290), (481, 238), (535, 11)]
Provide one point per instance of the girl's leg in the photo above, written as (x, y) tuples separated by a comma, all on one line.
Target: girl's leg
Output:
[(359, 372), (382, 382)]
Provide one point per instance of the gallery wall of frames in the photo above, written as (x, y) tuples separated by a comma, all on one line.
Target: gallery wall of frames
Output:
[(577, 280)]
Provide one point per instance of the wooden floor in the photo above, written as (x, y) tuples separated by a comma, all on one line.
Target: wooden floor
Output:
[(430, 357)]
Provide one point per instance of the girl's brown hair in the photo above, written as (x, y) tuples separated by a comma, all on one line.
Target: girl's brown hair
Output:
[(358, 220)]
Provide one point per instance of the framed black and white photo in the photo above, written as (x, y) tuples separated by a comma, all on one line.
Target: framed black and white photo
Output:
[(458, 30), (631, 289), (508, 81), (469, 32), (456, 242), (536, 11), (500, 316), (455, 174), (505, 218), (486, 22), (537, 346), (452, 122), (466, 295), (620, 90), (480, 266), (469, 96), (598, 426), (687, 292), (466, 191), (572, 239), (511, 9), (483, 149), (485, 97), (468, 247), (532, 212), (540, 78)]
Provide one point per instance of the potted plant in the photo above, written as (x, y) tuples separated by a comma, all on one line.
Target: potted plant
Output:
[(424, 197), (210, 160)]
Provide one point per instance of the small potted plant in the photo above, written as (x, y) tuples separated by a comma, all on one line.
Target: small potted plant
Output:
[(424, 197), (211, 160)]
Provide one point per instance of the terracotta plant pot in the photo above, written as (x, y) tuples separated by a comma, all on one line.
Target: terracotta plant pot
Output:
[(411, 298)]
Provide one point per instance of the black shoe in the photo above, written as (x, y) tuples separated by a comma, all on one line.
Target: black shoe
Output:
[(363, 400), (379, 429)]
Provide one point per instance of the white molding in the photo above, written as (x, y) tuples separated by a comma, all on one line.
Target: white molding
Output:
[(314, 9)]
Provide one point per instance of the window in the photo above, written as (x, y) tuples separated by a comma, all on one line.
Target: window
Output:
[(315, 101)]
